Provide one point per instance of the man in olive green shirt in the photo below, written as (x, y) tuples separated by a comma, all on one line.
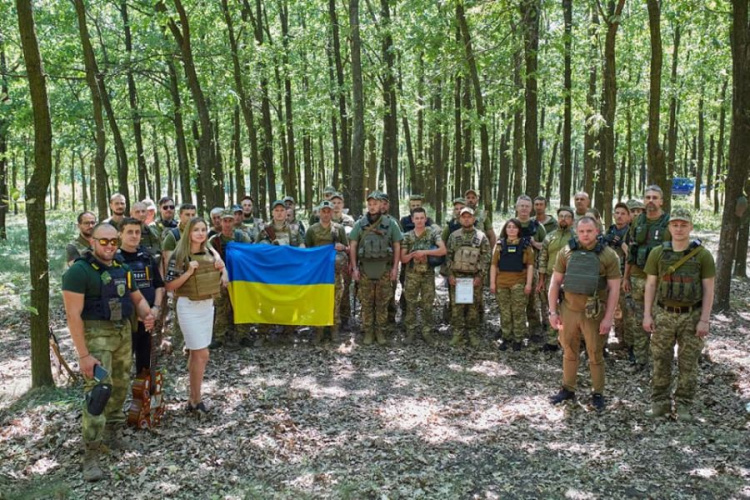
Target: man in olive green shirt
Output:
[(86, 222)]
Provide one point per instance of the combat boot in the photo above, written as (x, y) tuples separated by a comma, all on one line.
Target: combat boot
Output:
[(113, 437), (428, 338), (92, 455), (409, 339), (457, 339), (369, 337), (659, 409), (474, 339), (684, 414), (380, 337)]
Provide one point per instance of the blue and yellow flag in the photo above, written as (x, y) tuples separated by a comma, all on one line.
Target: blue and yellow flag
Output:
[(281, 285)]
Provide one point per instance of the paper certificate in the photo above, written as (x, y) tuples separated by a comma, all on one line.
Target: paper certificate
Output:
[(464, 290)]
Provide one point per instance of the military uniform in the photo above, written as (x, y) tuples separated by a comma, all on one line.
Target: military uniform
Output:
[(151, 241), (147, 278), (318, 235), (223, 313), (284, 234), (549, 223), (419, 283), (106, 317), (645, 234), (585, 296), (535, 231), (375, 239), (347, 221), (511, 258), (77, 248), (553, 243), (468, 257), (617, 237), (161, 226), (676, 313)]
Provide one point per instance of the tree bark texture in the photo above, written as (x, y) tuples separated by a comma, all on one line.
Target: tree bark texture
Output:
[(566, 169), (657, 172), (356, 197), (530, 11), (672, 132)]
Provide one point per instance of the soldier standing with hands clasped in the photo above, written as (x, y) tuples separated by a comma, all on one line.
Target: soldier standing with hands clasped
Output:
[(680, 275)]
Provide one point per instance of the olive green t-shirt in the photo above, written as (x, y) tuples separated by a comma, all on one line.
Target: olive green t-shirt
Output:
[(609, 268), (82, 278), (705, 260)]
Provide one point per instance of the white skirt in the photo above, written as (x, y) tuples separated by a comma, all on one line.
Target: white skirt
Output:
[(196, 319)]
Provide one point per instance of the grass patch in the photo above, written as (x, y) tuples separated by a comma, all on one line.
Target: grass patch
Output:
[(42, 396), (40, 489)]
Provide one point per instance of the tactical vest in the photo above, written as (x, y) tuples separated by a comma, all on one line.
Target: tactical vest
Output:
[(511, 256), (204, 283), (582, 272), (375, 240), (140, 267), (530, 230), (423, 243), (113, 303), (684, 285), (216, 243), (288, 236), (466, 258), (647, 240)]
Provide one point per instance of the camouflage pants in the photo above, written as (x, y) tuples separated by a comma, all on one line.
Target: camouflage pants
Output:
[(465, 317), (345, 310), (223, 315), (674, 328), (532, 306), (374, 295), (419, 290), (634, 321), (543, 301), (177, 339), (111, 345), (392, 305), (512, 302), (576, 324)]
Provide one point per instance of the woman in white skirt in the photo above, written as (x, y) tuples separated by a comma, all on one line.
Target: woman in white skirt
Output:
[(195, 274)]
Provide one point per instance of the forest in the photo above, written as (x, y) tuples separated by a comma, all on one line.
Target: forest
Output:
[(209, 100)]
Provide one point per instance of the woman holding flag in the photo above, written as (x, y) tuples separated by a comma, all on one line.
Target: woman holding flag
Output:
[(195, 274)]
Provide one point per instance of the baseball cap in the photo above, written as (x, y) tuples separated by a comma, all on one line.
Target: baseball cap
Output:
[(374, 195), (236, 208), (329, 190), (635, 204), (325, 204), (227, 214), (460, 200), (277, 203), (470, 190), (416, 197), (337, 195), (466, 210), (682, 214)]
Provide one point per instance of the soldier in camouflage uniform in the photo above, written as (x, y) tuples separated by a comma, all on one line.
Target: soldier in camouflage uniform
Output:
[(249, 223), (647, 232), (589, 274), (511, 279), (374, 251), (451, 225), (346, 220), (542, 217), (535, 232), (223, 312), (150, 238), (419, 285), (680, 276), (117, 204), (468, 257), (86, 222), (326, 232), (99, 295), (618, 237), (166, 218), (553, 243), (328, 193)]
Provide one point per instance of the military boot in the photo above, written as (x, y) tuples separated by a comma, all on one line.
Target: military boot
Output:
[(427, 337), (369, 337), (318, 336), (380, 336), (474, 339), (410, 335), (457, 339), (92, 455), (661, 409)]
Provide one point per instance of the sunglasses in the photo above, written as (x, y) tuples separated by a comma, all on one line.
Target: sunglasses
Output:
[(167, 207), (106, 241)]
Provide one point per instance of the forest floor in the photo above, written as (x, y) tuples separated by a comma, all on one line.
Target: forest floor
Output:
[(351, 421)]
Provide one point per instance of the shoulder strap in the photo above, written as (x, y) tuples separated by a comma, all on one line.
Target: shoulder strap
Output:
[(685, 258)]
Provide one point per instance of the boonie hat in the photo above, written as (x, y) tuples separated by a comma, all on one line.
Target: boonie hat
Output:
[(329, 190), (288, 198), (682, 214)]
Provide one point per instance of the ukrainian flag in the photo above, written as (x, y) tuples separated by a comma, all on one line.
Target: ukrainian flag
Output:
[(281, 285)]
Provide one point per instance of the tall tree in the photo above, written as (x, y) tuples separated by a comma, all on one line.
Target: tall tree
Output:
[(672, 131), (291, 186), (358, 109), (389, 158), (183, 163), (609, 106), (41, 372), (530, 11), (566, 171), (92, 80), (484, 137), (341, 93), (4, 127), (590, 157), (739, 148), (657, 172), (700, 154)]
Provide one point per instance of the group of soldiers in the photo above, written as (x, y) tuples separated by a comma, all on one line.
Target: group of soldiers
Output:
[(642, 277)]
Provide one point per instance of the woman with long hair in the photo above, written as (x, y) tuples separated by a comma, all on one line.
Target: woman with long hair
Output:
[(195, 274), (511, 274)]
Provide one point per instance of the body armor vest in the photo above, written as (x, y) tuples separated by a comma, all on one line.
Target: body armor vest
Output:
[(375, 240), (683, 285), (646, 239), (466, 258), (140, 267), (511, 255), (204, 283), (582, 272), (530, 230), (113, 303)]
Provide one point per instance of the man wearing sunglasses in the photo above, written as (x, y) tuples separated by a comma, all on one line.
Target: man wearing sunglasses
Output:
[(82, 244), (166, 218), (100, 295)]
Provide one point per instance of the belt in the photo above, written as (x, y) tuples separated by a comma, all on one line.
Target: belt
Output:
[(680, 310)]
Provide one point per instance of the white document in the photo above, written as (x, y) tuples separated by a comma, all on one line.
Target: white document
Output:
[(464, 290)]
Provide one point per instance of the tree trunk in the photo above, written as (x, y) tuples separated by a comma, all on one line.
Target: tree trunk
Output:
[(99, 174), (609, 106), (657, 172), (720, 146), (239, 174), (218, 169), (356, 197), (72, 181), (334, 121), (291, 188), (701, 154), (484, 138), (530, 11), (389, 159), (672, 132), (41, 373), (457, 127), (590, 159), (4, 125), (133, 100), (505, 168), (553, 159), (156, 192), (56, 183), (566, 168), (438, 160), (739, 150), (84, 194), (183, 162), (346, 148), (517, 135)]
